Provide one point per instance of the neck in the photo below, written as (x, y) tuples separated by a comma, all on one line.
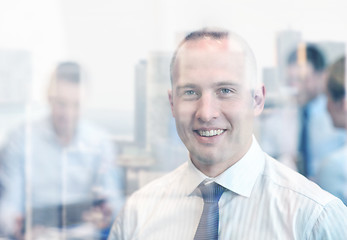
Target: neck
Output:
[(64, 139), (214, 169)]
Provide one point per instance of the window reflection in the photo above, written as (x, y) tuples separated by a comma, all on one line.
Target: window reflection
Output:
[(66, 164)]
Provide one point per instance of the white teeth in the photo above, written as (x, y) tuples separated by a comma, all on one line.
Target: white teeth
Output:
[(210, 133)]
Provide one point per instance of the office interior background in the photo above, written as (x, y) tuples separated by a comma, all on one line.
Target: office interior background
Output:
[(125, 49)]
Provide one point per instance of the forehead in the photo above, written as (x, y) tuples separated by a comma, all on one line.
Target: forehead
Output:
[(217, 58), (65, 90)]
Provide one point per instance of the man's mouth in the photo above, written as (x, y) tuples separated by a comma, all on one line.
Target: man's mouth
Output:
[(210, 133)]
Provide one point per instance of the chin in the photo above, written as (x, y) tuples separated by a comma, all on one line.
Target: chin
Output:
[(207, 158), (340, 126)]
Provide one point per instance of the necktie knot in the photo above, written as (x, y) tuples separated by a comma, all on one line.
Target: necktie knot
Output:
[(211, 192)]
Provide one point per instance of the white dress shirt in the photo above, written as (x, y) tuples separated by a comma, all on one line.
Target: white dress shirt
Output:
[(264, 200)]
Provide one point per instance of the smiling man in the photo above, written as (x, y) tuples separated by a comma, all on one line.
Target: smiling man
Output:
[(230, 188), (212, 101)]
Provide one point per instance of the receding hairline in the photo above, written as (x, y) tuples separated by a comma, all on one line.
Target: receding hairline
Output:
[(215, 35)]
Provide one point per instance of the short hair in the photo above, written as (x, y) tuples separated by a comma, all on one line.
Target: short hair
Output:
[(216, 34), (336, 79), (313, 55), (68, 71)]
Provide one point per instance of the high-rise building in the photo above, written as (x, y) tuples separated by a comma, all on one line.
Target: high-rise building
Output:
[(162, 139), (141, 104), (287, 41), (15, 76), (270, 79), (158, 108), (16, 79)]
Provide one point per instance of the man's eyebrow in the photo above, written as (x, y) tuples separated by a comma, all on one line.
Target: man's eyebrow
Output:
[(226, 83), (188, 85)]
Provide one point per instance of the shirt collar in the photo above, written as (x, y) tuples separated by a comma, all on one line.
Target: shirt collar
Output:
[(51, 135), (239, 178), (193, 178)]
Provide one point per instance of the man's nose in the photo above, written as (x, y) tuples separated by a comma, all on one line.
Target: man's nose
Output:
[(207, 108)]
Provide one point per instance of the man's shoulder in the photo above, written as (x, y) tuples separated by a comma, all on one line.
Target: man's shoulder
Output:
[(293, 184), (16, 137), (166, 185)]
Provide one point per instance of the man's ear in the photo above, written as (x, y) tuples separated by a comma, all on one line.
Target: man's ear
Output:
[(259, 100), (169, 93)]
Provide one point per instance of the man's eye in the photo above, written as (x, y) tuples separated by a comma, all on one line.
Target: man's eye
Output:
[(190, 92), (225, 91)]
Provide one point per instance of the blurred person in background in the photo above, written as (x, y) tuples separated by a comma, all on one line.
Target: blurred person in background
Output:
[(332, 174), (61, 169), (317, 137)]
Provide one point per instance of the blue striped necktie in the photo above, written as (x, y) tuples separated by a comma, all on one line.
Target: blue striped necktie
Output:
[(208, 225)]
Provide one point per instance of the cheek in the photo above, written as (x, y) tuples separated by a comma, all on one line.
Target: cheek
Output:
[(183, 111), (238, 118), (239, 108), (56, 111), (182, 120)]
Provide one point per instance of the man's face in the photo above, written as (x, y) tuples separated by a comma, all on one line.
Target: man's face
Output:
[(64, 101), (212, 102), (304, 81)]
